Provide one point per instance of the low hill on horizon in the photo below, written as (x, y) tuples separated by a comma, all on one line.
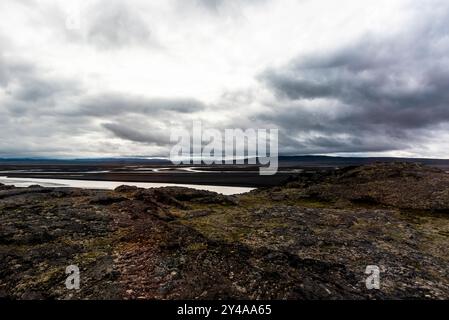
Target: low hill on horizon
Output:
[(284, 161)]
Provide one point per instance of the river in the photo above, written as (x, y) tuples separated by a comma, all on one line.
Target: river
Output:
[(110, 185)]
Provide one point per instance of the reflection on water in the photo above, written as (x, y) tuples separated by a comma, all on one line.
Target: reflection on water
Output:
[(110, 185), (50, 172)]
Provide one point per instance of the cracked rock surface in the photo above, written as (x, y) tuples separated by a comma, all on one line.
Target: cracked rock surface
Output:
[(311, 238)]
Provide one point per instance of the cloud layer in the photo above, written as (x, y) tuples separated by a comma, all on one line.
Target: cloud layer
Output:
[(110, 78)]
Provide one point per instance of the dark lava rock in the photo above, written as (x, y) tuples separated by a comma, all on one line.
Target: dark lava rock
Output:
[(402, 185), (309, 239), (195, 196), (5, 187), (106, 199), (126, 189)]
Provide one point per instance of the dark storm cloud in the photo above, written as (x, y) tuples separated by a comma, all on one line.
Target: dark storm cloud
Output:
[(386, 87), (139, 119), (388, 90), (332, 143)]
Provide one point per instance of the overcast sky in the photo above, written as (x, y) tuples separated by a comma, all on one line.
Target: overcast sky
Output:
[(108, 78)]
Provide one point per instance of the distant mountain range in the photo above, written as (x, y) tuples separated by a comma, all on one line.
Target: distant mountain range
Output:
[(353, 161), (51, 161), (284, 161)]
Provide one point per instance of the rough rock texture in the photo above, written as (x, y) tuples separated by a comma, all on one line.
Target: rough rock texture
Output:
[(401, 185), (309, 239)]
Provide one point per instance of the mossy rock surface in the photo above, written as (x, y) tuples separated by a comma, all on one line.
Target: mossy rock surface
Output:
[(309, 239)]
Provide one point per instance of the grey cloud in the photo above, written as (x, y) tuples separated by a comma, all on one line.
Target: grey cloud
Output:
[(25, 81), (383, 87), (37, 89), (210, 4), (29, 88), (54, 115), (146, 135), (332, 143), (119, 104), (10, 69), (215, 6), (381, 93), (104, 24), (3, 71), (114, 24), (30, 91)]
